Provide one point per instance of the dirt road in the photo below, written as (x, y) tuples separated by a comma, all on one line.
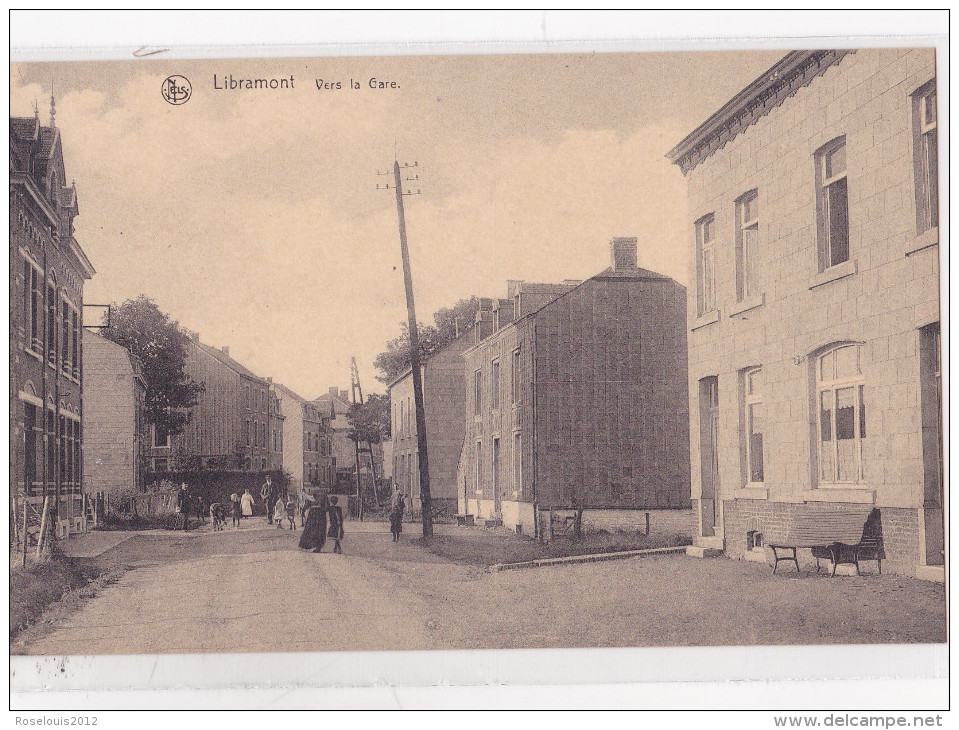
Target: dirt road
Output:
[(253, 591)]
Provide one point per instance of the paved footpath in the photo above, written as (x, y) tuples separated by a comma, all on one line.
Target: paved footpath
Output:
[(252, 590)]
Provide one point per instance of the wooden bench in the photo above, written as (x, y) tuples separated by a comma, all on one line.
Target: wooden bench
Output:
[(464, 520), (869, 547), (819, 531)]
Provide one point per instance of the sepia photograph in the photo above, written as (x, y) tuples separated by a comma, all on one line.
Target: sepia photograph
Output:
[(445, 351)]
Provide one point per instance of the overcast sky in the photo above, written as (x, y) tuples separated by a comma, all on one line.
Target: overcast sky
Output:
[(252, 216)]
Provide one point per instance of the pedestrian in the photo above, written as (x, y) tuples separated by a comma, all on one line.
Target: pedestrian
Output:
[(235, 509), (266, 494), (314, 531), (291, 513), (304, 501), (246, 504), (336, 525), (279, 511), (182, 508), (217, 516), (397, 506)]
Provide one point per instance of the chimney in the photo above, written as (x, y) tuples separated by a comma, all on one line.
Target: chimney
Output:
[(512, 287), (333, 390), (484, 324), (502, 313), (344, 395), (623, 253), (225, 350)]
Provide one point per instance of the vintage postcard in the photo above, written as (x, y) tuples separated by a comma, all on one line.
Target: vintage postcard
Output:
[(433, 352)]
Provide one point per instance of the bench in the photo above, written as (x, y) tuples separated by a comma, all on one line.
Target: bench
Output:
[(869, 547), (819, 531), (464, 520)]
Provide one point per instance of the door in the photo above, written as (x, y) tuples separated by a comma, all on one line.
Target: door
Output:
[(709, 454)]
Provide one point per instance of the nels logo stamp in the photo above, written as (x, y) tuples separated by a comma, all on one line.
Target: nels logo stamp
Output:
[(176, 89)]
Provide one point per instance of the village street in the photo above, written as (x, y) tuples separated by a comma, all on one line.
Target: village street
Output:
[(252, 590)]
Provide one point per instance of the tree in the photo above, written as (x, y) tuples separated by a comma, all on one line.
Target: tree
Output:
[(370, 422), (395, 359), (160, 344)]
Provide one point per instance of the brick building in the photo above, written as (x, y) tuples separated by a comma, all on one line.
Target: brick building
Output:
[(577, 396), (233, 425), (444, 402), (114, 425), (47, 272), (307, 442), (814, 378)]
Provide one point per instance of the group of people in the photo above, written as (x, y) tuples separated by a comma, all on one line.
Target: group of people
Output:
[(324, 519)]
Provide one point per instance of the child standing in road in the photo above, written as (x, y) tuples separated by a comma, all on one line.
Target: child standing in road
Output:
[(291, 513), (279, 512), (336, 524)]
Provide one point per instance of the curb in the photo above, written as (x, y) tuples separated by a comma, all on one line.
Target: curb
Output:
[(594, 558)]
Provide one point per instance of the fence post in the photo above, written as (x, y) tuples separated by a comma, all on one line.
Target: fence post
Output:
[(647, 524)]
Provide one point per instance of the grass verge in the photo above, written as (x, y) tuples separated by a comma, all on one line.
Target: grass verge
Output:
[(483, 547)]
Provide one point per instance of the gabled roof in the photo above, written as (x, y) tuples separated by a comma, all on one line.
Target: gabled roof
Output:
[(795, 70), (25, 128), (228, 361), (406, 373)]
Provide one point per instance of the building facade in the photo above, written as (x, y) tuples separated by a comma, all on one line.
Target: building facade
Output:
[(814, 376), (114, 425), (307, 442), (232, 426), (47, 273), (576, 397), (336, 404), (444, 403)]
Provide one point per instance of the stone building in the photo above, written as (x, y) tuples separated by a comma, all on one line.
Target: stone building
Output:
[(232, 426), (576, 397), (47, 273), (307, 442), (114, 425), (444, 403), (814, 376)]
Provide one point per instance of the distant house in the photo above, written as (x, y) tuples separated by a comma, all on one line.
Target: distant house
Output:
[(232, 426), (814, 325), (444, 401), (576, 396), (307, 442), (114, 429), (336, 404)]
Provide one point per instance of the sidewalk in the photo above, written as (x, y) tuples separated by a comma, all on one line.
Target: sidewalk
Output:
[(94, 543)]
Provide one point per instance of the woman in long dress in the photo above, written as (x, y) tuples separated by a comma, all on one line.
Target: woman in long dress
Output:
[(314, 531), (246, 503), (397, 506)]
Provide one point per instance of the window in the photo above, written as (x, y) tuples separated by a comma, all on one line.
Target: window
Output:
[(842, 415), (246, 431), (33, 306), (494, 386), (518, 462), (161, 439), (477, 392), (30, 427), (75, 319), (747, 242), (256, 433), (515, 376), (248, 403), (495, 466), (926, 144), (479, 466), (706, 264), (51, 333), (832, 204), (753, 415)]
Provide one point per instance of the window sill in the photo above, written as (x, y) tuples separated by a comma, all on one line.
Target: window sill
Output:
[(925, 240), (35, 355), (826, 493), (748, 303), (749, 492), (705, 319), (834, 273)]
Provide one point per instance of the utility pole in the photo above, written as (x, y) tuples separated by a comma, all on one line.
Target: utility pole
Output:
[(358, 391), (426, 500)]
